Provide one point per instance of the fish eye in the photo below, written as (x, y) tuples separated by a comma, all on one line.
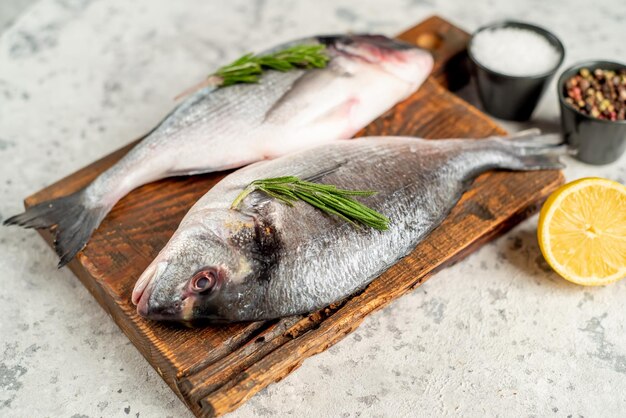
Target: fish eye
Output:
[(204, 280)]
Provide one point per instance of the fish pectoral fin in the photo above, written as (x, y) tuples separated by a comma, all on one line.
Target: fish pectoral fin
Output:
[(343, 111), (313, 94)]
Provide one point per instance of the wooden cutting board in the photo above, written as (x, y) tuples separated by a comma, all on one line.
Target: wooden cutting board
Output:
[(215, 369)]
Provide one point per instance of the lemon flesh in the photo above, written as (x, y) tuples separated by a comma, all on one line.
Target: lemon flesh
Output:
[(582, 231)]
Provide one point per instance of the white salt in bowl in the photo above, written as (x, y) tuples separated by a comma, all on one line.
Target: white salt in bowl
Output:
[(513, 63)]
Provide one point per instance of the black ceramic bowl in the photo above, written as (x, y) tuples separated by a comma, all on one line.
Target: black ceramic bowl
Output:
[(596, 141), (507, 96)]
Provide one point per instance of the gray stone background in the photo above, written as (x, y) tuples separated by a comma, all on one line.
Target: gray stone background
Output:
[(498, 334)]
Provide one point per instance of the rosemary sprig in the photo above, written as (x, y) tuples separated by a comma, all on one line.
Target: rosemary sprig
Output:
[(249, 67), (325, 197)]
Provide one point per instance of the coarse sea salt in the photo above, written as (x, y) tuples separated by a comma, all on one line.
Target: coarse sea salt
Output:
[(514, 51)]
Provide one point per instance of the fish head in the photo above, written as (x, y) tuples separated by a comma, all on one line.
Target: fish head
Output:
[(400, 59), (192, 278)]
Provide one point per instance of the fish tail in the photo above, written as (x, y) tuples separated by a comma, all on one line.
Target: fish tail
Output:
[(532, 150), (72, 218)]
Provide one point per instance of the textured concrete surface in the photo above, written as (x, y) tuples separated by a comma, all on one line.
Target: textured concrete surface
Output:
[(10, 10), (498, 334)]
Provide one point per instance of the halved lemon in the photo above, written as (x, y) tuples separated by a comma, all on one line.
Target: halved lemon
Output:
[(582, 231)]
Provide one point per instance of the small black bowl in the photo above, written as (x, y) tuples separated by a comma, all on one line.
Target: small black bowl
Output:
[(595, 141), (507, 96)]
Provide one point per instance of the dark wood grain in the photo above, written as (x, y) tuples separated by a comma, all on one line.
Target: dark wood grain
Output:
[(215, 369)]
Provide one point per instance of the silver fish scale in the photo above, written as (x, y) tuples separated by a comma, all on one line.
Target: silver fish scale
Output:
[(196, 121), (249, 102), (244, 106), (245, 103), (322, 258)]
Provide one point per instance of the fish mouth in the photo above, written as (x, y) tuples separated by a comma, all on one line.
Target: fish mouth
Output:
[(146, 278), (143, 307), (144, 286), (178, 310)]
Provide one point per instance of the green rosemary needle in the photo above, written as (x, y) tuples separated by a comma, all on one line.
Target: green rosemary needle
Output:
[(325, 197), (249, 67)]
